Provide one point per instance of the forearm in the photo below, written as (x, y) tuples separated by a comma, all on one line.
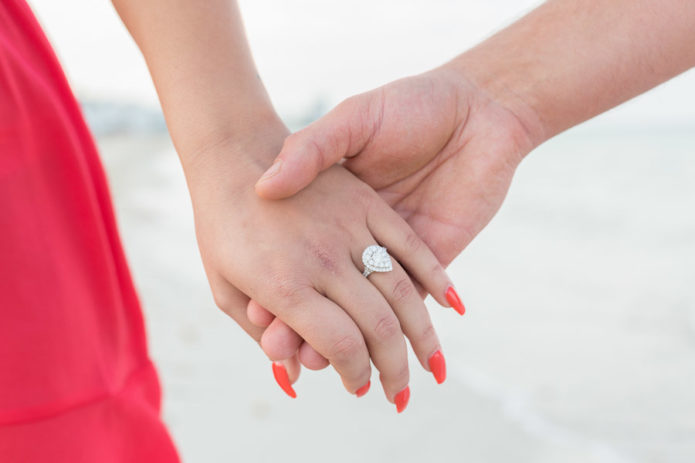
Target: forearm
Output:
[(570, 60), (202, 68)]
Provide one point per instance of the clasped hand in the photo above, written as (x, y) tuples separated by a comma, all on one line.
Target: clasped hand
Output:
[(438, 155), (301, 260)]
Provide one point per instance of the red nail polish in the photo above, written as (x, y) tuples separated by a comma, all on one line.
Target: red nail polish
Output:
[(454, 300), (283, 379), (402, 398), (363, 390), (438, 366)]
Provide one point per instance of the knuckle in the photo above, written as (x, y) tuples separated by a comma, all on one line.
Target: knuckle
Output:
[(365, 196), (222, 301), (413, 243), (387, 327), (398, 378), (287, 290), (344, 225), (402, 290), (426, 335), (345, 349), (325, 256), (403, 374), (318, 155), (437, 269)]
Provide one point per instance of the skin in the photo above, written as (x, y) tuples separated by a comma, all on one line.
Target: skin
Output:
[(301, 257), (441, 148)]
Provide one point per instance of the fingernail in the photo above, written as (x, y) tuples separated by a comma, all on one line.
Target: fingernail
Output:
[(272, 170), (438, 366), (402, 398), (363, 390), (453, 299), (283, 379)]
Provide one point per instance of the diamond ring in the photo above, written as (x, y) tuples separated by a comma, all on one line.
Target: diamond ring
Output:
[(376, 259)]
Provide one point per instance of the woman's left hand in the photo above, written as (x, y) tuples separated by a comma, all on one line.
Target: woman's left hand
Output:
[(302, 259)]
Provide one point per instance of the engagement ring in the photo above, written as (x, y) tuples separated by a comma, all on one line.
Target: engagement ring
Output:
[(376, 259)]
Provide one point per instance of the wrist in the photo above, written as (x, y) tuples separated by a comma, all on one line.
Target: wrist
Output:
[(235, 128), (505, 88), (234, 159)]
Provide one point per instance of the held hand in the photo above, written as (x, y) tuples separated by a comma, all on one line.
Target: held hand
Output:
[(286, 370), (436, 148), (301, 259)]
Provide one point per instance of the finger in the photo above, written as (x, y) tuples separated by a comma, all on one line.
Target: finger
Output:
[(234, 303), (310, 358), (326, 327), (407, 247), (258, 315), (400, 292), (420, 290), (279, 341), (379, 326), (343, 132)]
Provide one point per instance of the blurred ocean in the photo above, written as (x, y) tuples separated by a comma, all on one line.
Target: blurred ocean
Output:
[(579, 342)]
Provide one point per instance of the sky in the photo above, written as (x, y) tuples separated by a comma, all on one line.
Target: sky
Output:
[(313, 53)]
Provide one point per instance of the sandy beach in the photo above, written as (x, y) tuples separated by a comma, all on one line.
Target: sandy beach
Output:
[(578, 346)]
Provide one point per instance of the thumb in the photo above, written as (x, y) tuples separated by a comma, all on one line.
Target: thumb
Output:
[(341, 133)]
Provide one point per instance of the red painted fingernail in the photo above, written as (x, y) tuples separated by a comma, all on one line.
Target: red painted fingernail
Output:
[(363, 390), (402, 398), (283, 379), (453, 299), (438, 366)]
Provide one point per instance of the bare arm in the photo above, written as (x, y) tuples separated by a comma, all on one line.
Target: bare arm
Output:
[(202, 68), (570, 60)]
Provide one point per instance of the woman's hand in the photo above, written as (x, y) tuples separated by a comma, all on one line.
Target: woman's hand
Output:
[(301, 259), (286, 370)]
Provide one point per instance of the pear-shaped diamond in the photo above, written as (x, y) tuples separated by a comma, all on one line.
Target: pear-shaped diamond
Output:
[(376, 259)]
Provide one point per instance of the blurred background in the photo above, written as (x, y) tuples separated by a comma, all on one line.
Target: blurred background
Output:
[(579, 340)]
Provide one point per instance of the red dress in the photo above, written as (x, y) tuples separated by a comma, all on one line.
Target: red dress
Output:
[(76, 382)]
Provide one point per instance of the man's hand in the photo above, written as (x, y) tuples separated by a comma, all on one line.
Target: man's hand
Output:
[(442, 147), (438, 149)]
